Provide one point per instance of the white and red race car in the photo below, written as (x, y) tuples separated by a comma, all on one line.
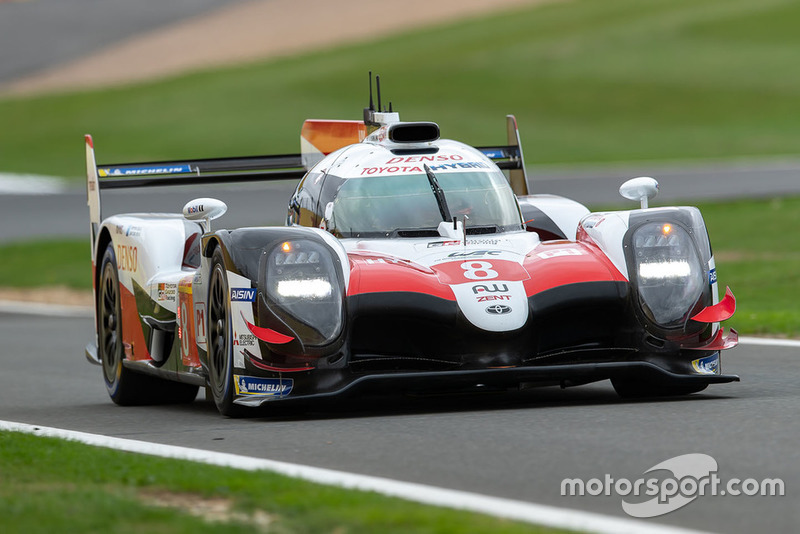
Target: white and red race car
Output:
[(408, 263)]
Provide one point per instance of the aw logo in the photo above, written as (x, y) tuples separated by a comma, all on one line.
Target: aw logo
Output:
[(494, 288)]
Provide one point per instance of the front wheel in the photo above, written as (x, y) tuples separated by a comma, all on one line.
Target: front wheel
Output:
[(220, 355), (126, 387)]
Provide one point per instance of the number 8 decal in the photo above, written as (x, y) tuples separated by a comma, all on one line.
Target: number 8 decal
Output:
[(478, 270)]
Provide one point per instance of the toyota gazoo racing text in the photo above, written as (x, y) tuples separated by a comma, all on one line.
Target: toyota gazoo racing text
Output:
[(408, 263)]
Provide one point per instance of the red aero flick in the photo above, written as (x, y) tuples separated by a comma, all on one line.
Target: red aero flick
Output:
[(408, 263)]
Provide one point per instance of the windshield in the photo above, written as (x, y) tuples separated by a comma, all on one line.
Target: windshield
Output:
[(372, 207)]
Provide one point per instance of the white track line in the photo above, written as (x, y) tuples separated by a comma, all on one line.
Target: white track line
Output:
[(550, 516), (769, 342)]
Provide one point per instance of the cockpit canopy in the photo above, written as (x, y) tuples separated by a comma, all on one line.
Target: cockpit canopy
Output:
[(367, 191), (404, 205)]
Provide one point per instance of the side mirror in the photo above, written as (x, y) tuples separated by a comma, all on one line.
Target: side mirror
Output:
[(204, 210), (642, 189)]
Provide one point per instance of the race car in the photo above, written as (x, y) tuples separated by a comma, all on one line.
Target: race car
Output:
[(408, 264)]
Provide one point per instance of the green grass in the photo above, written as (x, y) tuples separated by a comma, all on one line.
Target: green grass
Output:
[(590, 80), (51, 262), (50, 485), (756, 251)]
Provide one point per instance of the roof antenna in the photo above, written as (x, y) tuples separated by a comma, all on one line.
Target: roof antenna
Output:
[(369, 113), (371, 105), (378, 87)]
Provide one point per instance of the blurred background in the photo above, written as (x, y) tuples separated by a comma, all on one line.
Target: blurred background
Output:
[(700, 94)]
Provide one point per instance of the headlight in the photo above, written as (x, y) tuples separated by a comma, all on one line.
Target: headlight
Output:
[(303, 289), (669, 273)]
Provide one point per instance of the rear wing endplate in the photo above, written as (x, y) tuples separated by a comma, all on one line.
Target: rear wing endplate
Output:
[(509, 157)]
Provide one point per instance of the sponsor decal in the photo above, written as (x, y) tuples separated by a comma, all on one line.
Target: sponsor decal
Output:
[(443, 244), (425, 159), (127, 258), (244, 340), (494, 288), (200, 323), (498, 309), (133, 231), (707, 366), (197, 208), (408, 169), (712, 276), (263, 387), (167, 291), (139, 171), (457, 272), (560, 252), (243, 294), (487, 298), (475, 253)]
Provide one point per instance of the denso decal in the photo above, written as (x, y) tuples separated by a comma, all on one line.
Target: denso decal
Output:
[(263, 387), (243, 294), (127, 258), (708, 365), (494, 288), (424, 159), (137, 171)]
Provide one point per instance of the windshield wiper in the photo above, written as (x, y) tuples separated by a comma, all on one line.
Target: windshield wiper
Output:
[(439, 194)]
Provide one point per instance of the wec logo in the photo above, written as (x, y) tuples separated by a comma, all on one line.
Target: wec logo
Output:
[(243, 294)]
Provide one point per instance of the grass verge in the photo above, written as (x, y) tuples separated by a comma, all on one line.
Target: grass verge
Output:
[(756, 254), (51, 485), (616, 80)]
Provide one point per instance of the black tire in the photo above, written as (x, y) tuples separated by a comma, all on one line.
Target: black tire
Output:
[(220, 355), (126, 387), (630, 389)]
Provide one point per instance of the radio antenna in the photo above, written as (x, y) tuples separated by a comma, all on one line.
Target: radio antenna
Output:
[(371, 105), (378, 88)]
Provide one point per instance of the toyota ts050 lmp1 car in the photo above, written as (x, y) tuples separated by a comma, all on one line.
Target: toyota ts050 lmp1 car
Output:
[(408, 263)]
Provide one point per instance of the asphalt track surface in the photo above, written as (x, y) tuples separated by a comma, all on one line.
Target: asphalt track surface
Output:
[(37, 34), (519, 445)]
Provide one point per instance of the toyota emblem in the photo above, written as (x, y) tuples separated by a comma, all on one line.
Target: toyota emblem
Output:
[(498, 309)]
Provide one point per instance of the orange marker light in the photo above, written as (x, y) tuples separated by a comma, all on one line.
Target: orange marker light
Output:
[(286, 247), (666, 229)]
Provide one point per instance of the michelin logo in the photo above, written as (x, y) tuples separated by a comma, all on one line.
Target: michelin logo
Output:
[(707, 366), (243, 294), (138, 171), (263, 387)]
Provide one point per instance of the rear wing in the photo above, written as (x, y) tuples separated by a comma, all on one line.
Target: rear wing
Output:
[(183, 172)]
